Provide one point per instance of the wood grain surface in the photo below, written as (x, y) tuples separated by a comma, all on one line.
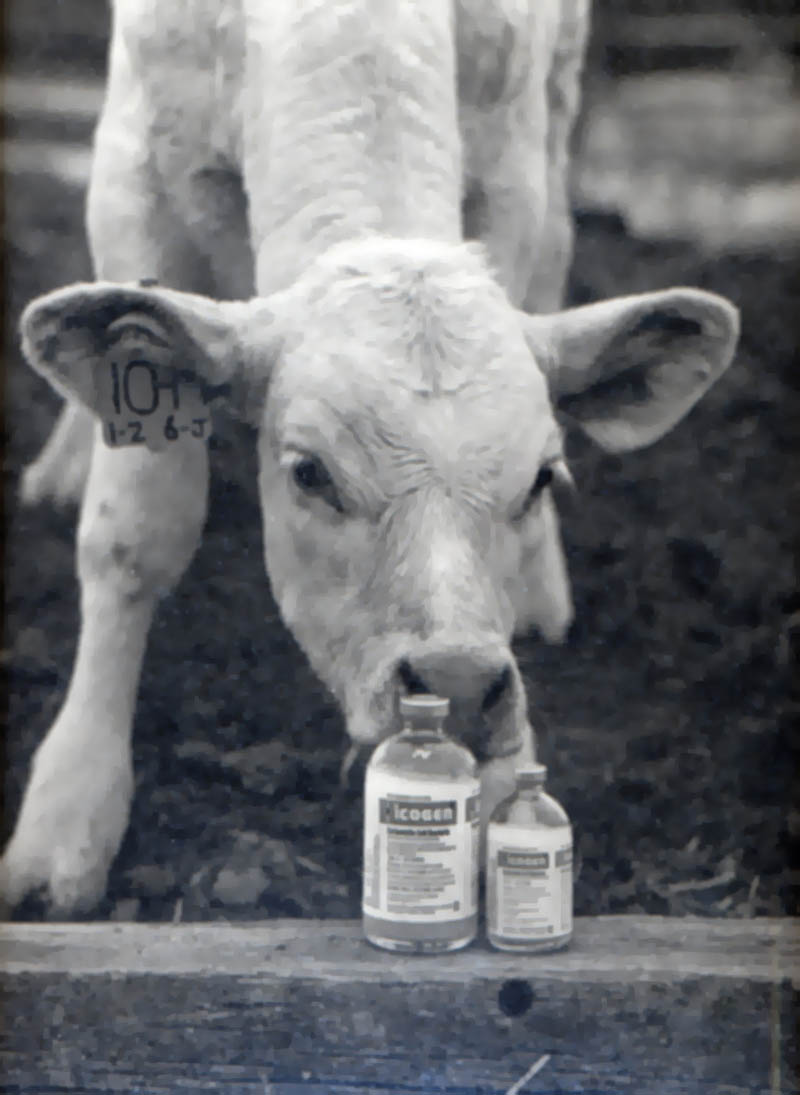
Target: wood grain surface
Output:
[(636, 1004)]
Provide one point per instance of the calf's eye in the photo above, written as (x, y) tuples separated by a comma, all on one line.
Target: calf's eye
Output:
[(543, 480), (311, 475), (313, 478)]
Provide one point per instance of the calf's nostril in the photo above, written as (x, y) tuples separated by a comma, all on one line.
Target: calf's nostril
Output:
[(494, 693), (411, 680)]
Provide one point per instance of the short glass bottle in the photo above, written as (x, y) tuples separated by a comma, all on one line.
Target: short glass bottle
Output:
[(529, 868), (421, 836)]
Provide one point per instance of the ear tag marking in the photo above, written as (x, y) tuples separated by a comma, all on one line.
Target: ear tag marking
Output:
[(143, 399)]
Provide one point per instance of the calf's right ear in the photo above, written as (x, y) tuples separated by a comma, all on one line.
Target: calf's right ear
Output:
[(67, 336)]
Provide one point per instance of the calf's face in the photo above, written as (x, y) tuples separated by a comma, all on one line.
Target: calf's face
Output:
[(408, 446), (405, 452)]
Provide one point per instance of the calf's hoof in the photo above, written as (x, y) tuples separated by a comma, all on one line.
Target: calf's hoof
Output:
[(64, 890), (73, 817)]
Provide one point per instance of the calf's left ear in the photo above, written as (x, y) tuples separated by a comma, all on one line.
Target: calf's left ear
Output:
[(626, 370), (68, 334)]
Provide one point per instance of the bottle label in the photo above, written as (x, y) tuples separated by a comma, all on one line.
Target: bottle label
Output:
[(529, 883), (421, 841)]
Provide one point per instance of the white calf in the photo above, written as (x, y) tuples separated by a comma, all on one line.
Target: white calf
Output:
[(339, 151)]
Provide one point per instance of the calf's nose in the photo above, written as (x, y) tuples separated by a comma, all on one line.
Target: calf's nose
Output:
[(476, 678)]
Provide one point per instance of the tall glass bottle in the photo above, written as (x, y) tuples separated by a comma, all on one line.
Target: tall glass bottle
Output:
[(529, 868), (421, 836)]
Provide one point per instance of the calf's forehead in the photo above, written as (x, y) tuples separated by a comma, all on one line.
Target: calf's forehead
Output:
[(419, 362), (391, 405)]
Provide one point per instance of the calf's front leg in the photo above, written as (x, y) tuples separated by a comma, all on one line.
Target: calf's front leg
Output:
[(140, 523)]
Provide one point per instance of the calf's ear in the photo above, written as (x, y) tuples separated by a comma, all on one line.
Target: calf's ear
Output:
[(67, 336), (626, 370)]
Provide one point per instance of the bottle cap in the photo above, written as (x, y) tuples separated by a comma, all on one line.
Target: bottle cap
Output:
[(531, 772), (424, 704)]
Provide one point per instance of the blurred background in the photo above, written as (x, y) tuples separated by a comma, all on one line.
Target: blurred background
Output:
[(668, 721), (691, 125)]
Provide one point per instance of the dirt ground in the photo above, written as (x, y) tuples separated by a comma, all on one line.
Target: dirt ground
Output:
[(666, 720)]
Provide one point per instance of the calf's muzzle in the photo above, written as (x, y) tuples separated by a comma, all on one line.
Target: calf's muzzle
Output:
[(482, 687)]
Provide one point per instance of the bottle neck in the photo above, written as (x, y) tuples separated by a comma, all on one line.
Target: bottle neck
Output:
[(431, 728)]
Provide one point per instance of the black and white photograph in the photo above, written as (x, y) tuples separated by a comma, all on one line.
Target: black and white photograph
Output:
[(400, 534)]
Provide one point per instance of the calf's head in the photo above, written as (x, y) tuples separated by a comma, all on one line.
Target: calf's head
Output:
[(408, 447)]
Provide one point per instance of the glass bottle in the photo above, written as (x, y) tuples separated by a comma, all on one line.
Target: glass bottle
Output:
[(421, 835), (529, 868)]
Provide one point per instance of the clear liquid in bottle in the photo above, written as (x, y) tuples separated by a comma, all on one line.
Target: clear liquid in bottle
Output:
[(421, 836), (529, 868)]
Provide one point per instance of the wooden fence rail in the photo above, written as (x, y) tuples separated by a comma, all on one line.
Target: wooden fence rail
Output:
[(639, 1005)]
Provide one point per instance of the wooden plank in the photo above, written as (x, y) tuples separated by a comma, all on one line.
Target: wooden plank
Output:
[(65, 37), (604, 948), (731, 30), (629, 43), (646, 1005)]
